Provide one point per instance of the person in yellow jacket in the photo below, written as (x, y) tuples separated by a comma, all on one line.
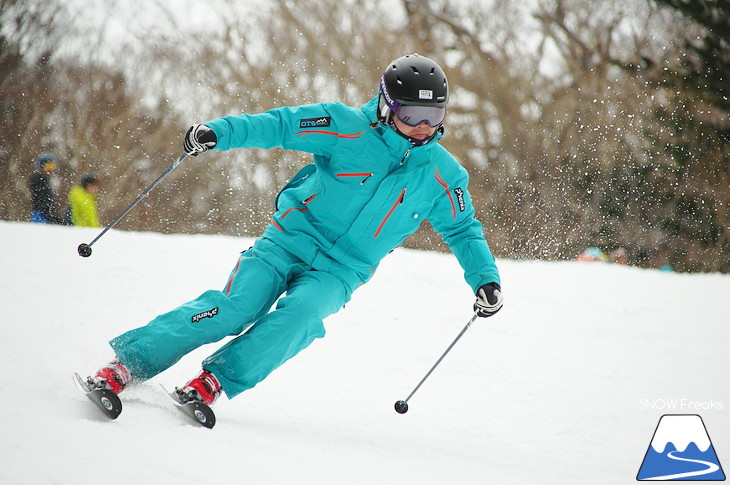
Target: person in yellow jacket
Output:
[(82, 202)]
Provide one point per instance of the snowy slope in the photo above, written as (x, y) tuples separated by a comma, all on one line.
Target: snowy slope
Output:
[(565, 385)]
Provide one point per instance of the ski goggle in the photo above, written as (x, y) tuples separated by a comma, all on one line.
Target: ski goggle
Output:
[(415, 115)]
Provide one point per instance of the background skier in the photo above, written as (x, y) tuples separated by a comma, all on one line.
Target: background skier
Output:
[(42, 193), (82, 202), (378, 172)]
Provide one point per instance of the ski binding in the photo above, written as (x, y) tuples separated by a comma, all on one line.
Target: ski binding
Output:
[(200, 412), (105, 399)]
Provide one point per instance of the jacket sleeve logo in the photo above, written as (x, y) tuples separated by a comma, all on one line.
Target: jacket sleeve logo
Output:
[(460, 198), (206, 314), (315, 122)]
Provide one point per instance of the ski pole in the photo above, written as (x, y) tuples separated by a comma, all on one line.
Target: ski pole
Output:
[(85, 249), (401, 407)]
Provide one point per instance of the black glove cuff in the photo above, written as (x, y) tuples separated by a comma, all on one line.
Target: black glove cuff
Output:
[(206, 136)]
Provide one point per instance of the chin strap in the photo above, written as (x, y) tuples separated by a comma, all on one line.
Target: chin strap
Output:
[(414, 141)]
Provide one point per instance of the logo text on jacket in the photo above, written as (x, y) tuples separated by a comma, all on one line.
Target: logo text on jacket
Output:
[(460, 198), (315, 122), (206, 314)]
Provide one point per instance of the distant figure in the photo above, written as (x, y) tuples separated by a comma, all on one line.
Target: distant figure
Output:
[(592, 254), (42, 195), (82, 202), (619, 256), (666, 268)]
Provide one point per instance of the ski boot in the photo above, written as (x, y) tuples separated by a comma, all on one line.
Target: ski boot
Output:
[(195, 398), (203, 388), (102, 389), (114, 376)]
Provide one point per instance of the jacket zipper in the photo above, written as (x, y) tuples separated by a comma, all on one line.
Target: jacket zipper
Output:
[(390, 212), (300, 209), (405, 155), (367, 175), (443, 183)]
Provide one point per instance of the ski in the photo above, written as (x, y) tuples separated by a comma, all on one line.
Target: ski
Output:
[(110, 404), (105, 399), (200, 412)]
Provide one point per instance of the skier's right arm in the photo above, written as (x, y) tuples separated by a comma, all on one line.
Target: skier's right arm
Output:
[(294, 128)]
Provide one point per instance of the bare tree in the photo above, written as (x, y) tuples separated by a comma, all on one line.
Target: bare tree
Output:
[(581, 123)]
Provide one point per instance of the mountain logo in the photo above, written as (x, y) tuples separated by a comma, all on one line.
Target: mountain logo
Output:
[(681, 450)]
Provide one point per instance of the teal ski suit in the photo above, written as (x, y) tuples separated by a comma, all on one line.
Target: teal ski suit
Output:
[(367, 190)]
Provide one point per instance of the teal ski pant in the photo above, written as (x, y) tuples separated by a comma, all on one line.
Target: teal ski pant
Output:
[(265, 338)]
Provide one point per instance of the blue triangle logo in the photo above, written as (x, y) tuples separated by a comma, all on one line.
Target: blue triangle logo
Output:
[(681, 450)]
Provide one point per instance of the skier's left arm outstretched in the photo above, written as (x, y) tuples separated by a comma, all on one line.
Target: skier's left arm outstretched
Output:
[(454, 218)]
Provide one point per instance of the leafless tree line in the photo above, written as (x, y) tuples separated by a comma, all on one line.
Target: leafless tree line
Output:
[(562, 111)]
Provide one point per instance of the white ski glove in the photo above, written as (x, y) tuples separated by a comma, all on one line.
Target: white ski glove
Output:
[(198, 139), (489, 300)]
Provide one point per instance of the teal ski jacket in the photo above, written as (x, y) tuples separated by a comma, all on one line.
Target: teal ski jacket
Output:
[(367, 190)]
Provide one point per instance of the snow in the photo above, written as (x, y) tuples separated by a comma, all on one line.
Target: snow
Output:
[(565, 385)]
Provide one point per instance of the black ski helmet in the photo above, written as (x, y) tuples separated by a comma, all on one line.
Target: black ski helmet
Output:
[(412, 80)]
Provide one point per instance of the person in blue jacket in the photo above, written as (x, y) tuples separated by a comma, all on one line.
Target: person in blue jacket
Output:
[(43, 198), (378, 172)]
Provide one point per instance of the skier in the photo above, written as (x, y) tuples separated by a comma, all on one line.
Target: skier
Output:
[(43, 199), (82, 202), (378, 172)]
